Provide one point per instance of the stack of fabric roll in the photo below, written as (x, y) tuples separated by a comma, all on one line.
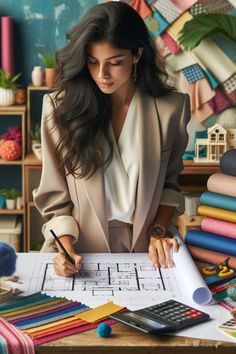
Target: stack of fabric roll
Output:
[(216, 241)]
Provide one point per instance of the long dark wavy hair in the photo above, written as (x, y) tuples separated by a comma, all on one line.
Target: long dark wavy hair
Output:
[(81, 111)]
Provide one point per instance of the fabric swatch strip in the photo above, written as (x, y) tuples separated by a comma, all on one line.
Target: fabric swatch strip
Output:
[(156, 23), (170, 43), (14, 341), (220, 101), (193, 73), (41, 322), (167, 10)]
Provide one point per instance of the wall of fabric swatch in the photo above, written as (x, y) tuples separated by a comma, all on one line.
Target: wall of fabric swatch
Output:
[(207, 72)]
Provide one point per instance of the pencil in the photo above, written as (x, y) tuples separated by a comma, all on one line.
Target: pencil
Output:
[(68, 257)]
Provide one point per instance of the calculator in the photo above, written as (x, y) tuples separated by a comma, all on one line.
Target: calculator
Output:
[(165, 317)]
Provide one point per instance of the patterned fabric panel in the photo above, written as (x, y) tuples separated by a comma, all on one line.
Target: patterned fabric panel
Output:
[(156, 23), (142, 8), (230, 84), (193, 73), (219, 102), (167, 10), (170, 43), (217, 6), (197, 9)]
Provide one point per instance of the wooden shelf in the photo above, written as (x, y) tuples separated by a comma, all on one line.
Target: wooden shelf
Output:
[(12, 211), (31, 159), (38, 88), (15, 162), (199, 168), (13, 109)]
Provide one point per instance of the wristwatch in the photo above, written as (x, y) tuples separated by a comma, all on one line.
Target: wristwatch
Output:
[(159, 231)]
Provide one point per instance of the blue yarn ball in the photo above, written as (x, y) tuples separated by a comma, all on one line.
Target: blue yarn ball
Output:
[(104, 330), (231, 292), (7, 259)]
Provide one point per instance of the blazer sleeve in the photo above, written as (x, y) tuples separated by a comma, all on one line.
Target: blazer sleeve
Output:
[(52, 197), (171, 193)]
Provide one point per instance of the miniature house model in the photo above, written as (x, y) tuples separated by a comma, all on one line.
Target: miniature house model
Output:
[(219, 140)]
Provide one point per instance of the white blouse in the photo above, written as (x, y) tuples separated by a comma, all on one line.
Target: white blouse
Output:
[(121, 176)]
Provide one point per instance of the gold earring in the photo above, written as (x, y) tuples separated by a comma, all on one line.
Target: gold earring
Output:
[(135, 74)]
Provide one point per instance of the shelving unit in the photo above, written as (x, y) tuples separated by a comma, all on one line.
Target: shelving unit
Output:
[(10, 116), (32, 168)]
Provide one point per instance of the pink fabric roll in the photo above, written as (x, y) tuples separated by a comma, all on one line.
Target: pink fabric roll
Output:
[(7, 44), (219, 227), (222, 184)]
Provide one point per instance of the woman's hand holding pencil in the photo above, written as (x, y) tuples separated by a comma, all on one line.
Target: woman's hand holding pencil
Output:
[(67, 262)]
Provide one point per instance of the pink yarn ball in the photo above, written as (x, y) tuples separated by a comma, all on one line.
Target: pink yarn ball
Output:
[(10, 150)]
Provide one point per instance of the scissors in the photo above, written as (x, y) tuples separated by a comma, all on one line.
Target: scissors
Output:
[(222, 269)]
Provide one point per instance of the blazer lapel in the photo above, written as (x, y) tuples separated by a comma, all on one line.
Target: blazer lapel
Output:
[(149, 153), (95, 190)]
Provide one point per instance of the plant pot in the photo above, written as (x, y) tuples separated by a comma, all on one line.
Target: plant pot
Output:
[(2, 201), (6, 292), (50, 77), (11, 203), (7, 97), (37, 149)]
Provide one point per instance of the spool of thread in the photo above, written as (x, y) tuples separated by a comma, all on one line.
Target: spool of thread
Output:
[(231, 292), (7, 259)]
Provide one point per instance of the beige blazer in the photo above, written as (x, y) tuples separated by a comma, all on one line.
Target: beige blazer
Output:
[(78, 206)]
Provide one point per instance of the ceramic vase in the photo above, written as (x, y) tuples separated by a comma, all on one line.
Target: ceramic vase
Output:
[(37, 76), (37, 149), (11, 203), (7, 97)]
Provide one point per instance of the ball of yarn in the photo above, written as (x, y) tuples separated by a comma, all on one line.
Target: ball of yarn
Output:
[(104, 330), (10, 150), (7, 259), (231, 292), (227, 162)]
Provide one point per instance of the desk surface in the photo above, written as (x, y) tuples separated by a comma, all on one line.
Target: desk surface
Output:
[(127, 340)]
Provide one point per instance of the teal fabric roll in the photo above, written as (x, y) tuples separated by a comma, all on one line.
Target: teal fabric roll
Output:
[(218, 200), (211, 241)]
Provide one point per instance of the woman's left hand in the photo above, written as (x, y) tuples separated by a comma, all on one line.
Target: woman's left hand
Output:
[(160, 251)]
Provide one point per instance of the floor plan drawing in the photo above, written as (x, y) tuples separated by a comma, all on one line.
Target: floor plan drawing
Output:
[(109, 278)]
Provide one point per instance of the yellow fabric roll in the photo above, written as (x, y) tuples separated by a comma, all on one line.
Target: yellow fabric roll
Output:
[(217, 213)]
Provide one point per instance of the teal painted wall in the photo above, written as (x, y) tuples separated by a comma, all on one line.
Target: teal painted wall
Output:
[(40, 25)]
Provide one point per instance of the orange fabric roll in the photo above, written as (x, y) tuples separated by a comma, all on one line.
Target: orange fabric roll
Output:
[(204, 255)]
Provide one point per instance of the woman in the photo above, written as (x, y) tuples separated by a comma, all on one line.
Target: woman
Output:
[(113, 136)]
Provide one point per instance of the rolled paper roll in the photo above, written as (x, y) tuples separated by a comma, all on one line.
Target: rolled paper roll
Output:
[(227, 162), (218, 200), (222, 184), (217, 213), (219, 227), (7, 44), (211, 241), (209, 256)]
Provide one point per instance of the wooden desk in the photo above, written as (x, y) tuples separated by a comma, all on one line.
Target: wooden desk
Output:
[(126, 340)]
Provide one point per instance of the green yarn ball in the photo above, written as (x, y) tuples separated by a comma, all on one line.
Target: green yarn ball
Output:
[(231, 292)]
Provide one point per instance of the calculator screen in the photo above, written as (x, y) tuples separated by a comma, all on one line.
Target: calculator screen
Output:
[(145, 320)]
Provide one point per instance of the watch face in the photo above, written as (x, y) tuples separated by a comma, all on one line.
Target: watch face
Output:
[(158, 230)]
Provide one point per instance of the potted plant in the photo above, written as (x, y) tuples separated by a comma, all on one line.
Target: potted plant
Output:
[(205, 25), (50, 63), (35, 135), (11, 195), (8, 86)]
